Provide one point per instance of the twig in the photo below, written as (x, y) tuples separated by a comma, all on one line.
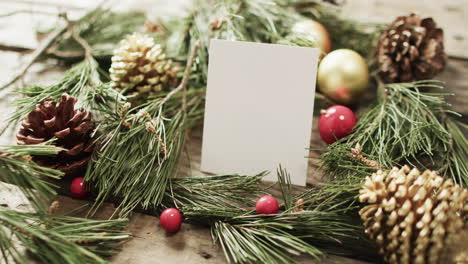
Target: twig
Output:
[(356, 153), (457, 57), (122, 113), (150, 126), (53, 208), (450, 144), (83, 43), (7, 47), (185, 78), (299, 206), (45, 44)]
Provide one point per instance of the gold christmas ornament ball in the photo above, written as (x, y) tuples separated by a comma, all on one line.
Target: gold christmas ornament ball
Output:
[(316, 30), (343, 76)]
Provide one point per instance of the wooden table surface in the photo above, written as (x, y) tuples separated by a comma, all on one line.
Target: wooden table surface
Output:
[(193, 244)]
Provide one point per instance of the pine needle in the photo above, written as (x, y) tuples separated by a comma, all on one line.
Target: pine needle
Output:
[(141, 147), (82, 81), (102, 29), (58, 239), (406, 126), (210, 198), (17, 169)]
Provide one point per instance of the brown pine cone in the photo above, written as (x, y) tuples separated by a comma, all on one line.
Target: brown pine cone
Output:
[(412, 216), (411, 49), (72, 129)]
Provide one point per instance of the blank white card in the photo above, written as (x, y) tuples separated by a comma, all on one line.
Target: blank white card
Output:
[(259, 108)]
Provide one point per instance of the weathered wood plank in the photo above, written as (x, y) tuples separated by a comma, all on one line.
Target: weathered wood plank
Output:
[(448, 14)]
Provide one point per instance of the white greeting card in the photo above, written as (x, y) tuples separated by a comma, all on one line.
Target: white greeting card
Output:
[(259, 108)]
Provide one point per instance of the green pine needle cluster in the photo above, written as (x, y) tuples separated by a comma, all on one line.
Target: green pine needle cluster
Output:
[(58, 239), (48, 238), (406, 126), (17, 169), (209, 198), (138, 149), (344, 33), (312, 228), (82, 81), (264, 21)]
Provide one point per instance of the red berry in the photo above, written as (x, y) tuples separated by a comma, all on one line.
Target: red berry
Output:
[(78, 188), (336, 122), (171, 220), (267, 204)]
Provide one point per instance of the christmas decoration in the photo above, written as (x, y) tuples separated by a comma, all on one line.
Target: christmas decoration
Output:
[(171, 220), (317, 31), (411, 49), (412, 215), (139, 148), (343, 76), (336, 122), (140, 68), (71, 127), (78, 188), (267, 204)]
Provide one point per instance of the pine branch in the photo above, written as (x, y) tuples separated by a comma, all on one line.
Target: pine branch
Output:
[(210, 198), (455, 158), (301, 40), (251, 243), (141, 147), (102, 29), (17, 169), (344, 33), (253, 20), (284, 182), (58, 239), (226, 203), (81, 81), (405, 126)]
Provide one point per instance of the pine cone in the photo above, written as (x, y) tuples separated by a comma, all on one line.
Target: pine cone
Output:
[(412, 216), (72, 129), (140, 68), (411, 49)]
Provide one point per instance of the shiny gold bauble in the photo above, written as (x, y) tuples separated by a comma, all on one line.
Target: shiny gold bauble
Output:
[(316, 30), (343, 76)]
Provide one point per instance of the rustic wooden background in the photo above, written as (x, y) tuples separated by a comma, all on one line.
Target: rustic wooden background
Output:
[(19, 20)]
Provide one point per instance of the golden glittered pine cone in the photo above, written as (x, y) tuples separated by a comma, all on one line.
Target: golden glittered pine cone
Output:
[(411, 49), (71, 127), (140, 68), (412, 216)]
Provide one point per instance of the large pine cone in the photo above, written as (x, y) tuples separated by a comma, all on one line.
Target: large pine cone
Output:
[(140, 68), (411, 49), (412, 216), (72, 129)]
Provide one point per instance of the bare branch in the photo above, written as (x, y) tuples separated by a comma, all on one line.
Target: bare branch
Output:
[(186, 76)]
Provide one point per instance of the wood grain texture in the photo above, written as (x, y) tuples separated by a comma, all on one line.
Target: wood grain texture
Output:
[(193, 243)]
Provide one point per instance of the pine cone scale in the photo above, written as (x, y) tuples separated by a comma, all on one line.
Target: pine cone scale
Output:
[(412, 216), (140, 69), (411, 49), (71, 127)]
